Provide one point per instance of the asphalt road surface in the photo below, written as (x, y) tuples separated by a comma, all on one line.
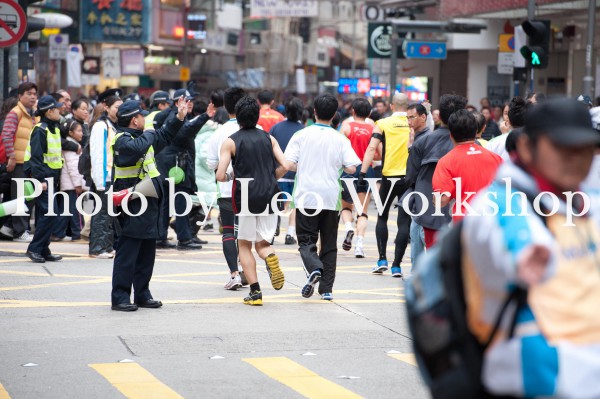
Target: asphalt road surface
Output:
[(60, 339)]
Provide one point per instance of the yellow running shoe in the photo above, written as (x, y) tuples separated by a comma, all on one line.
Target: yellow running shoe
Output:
[(275, 273), (254, 299)]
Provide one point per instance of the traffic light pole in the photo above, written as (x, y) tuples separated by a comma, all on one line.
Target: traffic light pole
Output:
[(588, 79), (531, 16)]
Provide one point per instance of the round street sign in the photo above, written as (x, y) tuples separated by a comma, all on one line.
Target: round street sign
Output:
[(13, 23)]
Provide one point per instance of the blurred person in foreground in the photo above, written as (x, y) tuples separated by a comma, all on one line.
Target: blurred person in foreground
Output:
[(553, 259)]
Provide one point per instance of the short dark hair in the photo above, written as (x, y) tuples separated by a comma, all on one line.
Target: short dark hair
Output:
[(216, 97), (77, 103), (125, 120), (57, 96), (375, 116), (200, 106), (265, 97), (517, 112), (480, 120), (294, 107), (462, 126), (512, 138), (325, 106), (379, 100), (361, 107), (23, 87), (419, 108), (449, 104), (231, 96), (247, 112)]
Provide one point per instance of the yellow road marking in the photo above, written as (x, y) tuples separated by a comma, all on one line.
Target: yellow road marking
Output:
[(405, 357), (299, 378), (3, 393), (18, 303), (30, 274), (134, 381), (30, 287)]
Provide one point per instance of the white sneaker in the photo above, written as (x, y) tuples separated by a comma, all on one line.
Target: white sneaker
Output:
[(358, 251), (7, 231), (234, 283), (25, 237), (102, 255)]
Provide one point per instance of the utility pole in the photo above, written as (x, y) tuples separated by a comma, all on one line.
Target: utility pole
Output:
[(393, 61), (588, 79), (353, 38)]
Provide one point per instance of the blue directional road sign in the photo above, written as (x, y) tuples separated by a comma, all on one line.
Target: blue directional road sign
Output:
[(425, 50)]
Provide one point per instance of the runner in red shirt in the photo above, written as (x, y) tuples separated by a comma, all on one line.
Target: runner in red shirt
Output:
[(268, 116), (359, 132), (471, 165)]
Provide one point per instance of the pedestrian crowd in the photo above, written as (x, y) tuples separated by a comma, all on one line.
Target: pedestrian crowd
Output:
[(441, 169)]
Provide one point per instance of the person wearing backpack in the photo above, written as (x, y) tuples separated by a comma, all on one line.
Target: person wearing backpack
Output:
[(101, 165), (554, 348)]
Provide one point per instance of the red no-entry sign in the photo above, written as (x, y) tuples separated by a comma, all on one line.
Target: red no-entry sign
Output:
[(13, 23)]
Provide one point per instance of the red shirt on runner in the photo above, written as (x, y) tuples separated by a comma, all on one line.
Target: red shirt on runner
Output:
[(476, 167), (360, 136), (269, 118)]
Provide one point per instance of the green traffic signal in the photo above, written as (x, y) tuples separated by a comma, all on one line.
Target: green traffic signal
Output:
[(537, 50)]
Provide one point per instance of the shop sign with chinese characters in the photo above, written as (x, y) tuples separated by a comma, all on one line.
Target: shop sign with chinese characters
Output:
[(115, 21)]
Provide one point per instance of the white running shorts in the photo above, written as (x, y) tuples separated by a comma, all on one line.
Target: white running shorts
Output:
[(257, 228)]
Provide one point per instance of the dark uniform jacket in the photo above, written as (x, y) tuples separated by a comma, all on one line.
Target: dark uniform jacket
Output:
[(128, 149), (36, 167), (182, 152), (423, 157)]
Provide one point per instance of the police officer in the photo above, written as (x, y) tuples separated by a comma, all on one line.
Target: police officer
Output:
[(159, 101), (43, 160), (181, 154), (133, 155)]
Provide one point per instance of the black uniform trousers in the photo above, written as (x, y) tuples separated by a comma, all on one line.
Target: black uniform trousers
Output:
[(182, 223), (308, 230), (133, 266), (403, 221), (44, 225)]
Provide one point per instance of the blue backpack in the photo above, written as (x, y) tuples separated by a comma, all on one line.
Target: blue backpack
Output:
[(449, 356)]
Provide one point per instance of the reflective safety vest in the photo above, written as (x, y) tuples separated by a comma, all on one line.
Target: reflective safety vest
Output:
[(53, 157), (149, 120), (144, 166)]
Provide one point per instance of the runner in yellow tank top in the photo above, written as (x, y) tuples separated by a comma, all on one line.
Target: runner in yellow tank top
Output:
[(394, 135)]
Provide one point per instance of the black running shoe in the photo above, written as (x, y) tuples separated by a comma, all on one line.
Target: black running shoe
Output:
[(347, 245), (309, 287), (289, 240)]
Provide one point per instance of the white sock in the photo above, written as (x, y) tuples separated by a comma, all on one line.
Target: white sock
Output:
[(292, 230), (348, 226)]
